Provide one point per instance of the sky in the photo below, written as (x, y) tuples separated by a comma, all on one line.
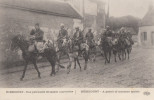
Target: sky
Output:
[(137, 8), (119, 8)]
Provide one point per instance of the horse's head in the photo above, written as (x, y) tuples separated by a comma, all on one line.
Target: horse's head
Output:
[(114, 41), (64, 42), (16, 41), (84, 46)]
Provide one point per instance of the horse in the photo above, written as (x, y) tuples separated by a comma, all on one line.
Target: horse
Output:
[(116, 48), (67, 49), (128, 46), (19, 42), (72, 51), (99, 46), (92, 50)]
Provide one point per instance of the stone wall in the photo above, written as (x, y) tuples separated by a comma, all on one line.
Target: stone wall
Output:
[(14, 21)]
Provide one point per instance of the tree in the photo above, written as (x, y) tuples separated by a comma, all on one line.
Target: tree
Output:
[(125, 21)]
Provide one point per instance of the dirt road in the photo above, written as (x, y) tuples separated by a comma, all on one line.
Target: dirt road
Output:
[(138, 71)]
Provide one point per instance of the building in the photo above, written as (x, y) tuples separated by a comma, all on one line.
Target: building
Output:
[(146, 29), (20, 16), (93, 12)]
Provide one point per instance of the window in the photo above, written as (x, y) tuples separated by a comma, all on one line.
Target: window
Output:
[(144, 36)]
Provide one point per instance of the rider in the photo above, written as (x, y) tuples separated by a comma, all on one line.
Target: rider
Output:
[(122, 33), (62, 34), (129, 37), (90, 36), (107, 33), (78, 38), (37, 37)]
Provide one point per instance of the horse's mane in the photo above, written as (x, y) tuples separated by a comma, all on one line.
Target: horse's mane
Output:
[(20, 40)]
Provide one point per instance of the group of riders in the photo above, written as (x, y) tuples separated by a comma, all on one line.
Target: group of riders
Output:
[(78, 45), (37, 35)]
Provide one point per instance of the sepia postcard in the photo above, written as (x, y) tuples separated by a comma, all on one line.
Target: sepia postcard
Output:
[(77, 49)]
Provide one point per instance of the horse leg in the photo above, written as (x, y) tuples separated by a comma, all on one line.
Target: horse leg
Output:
[(122, 54), (74, 63), (86, 60), (70, 63), (105, 55), (128, 53), (119, 55), (85, 66), (52, 63), (115, 54), (35, 65), (69, 67), (125, 54), (109, 56), (58, 60), (24, 71), (78, 63)]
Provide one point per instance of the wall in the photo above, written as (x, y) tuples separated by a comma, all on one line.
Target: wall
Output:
[(149, 30), (14, 21)]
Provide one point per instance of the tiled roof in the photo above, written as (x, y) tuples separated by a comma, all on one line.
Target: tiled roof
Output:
[(56, 8)]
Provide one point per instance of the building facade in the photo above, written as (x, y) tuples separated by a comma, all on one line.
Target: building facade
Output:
[(146, 29), (19, 17), (93, 12)]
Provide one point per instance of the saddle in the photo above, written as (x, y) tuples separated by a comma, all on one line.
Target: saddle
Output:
[(40, 46), (84, 46)]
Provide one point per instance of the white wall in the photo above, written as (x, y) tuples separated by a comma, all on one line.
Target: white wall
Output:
[(149, 30)]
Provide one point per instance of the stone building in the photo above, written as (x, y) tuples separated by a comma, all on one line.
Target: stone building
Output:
[(146, 29), (20, 16)]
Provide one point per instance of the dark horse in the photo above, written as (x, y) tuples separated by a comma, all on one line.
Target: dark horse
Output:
[(116, 48), (107, 48), (19, 42), (127, 47)]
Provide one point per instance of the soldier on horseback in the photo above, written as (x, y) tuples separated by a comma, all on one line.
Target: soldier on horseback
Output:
[(106, 35), (36, 39), (78, 39), (129, 37), (63, 34), (90, 37)]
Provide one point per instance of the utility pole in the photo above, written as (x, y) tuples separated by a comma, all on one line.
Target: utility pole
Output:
[(83, 12), (108, 12)]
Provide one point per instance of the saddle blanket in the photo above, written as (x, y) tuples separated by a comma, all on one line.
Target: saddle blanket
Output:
[(40, 46)]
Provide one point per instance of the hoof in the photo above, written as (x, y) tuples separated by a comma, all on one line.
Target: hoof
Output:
[(39, 76), (52, 74), (21, 79)]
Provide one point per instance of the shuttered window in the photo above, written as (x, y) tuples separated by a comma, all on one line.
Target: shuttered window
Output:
[(145, 36)]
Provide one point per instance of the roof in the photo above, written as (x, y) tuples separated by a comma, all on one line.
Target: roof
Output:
[(148, 19), (55, 8)]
